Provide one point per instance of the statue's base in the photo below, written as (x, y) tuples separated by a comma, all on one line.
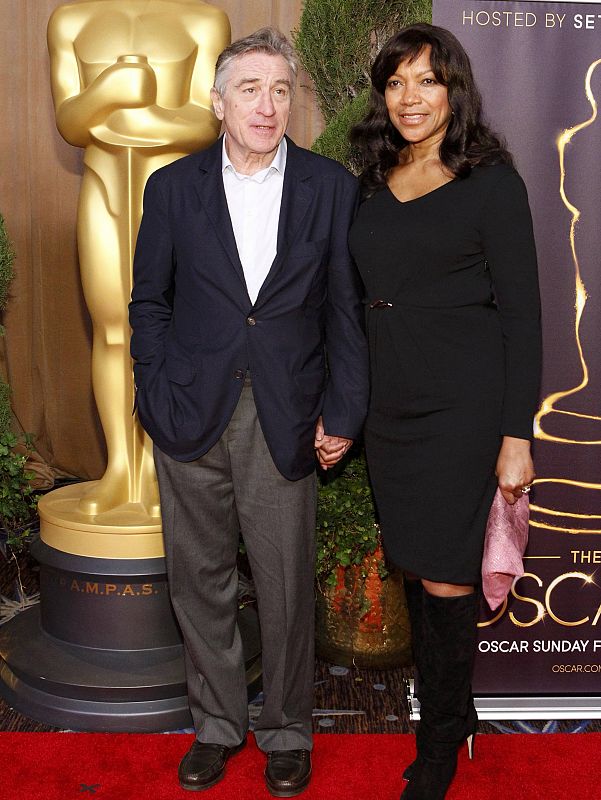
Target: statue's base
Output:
[(126, 531), (103, 651), (94, 690), (102, 690)]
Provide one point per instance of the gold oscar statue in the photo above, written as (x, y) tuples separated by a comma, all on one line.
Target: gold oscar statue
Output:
[(571, 417), (131, 82)]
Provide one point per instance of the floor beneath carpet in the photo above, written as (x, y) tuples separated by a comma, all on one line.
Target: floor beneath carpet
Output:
[(346, 700), (358, 701)]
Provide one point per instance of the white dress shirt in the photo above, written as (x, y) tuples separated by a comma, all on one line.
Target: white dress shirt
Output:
[(254, 204)]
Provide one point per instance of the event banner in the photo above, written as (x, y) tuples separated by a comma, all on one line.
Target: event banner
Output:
[(538, 66)]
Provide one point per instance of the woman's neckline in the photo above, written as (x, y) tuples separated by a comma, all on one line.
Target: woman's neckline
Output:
[(420, 196)]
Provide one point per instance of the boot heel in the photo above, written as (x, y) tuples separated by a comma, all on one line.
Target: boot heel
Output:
[(471, 744)]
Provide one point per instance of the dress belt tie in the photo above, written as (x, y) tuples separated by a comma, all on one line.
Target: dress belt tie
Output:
[(380, 304)]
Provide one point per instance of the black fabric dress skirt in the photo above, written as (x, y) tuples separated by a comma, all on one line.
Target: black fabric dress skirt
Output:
[(454, 335)]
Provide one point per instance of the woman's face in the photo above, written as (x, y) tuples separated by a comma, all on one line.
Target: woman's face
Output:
[(418, 105)]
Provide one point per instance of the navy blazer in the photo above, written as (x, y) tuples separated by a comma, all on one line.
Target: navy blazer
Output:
[(195, 331)]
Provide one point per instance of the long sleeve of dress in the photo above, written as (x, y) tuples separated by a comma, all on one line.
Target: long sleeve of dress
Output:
[(509, 247)]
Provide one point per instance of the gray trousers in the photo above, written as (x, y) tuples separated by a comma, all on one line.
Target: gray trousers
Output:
[(205, 504)]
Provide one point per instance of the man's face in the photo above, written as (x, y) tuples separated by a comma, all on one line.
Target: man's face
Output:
[(255, 107)]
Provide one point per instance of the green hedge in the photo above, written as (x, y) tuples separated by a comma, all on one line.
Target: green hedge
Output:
[(337, 41), (7, 257)]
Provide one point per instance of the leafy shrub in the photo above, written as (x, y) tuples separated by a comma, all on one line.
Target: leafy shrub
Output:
[(17, 499), (346, 525), (7, 257), (337, 41)]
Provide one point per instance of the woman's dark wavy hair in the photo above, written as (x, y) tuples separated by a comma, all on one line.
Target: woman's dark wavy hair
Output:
[(468, 141)]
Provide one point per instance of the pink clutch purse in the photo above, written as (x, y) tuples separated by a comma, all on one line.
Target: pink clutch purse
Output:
[(504, 545)]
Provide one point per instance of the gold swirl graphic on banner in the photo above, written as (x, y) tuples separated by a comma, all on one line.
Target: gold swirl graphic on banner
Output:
[(548, 404), (564, 526), (552, 518)]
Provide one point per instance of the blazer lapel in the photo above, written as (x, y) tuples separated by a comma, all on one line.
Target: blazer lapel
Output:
[(212, 196), (297, 196)]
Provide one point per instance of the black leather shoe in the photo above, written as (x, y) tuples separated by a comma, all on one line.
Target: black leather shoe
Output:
[(204, 765), (288, 772)]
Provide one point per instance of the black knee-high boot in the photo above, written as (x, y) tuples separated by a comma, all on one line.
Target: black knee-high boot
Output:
[(414, 592), (446, 653)]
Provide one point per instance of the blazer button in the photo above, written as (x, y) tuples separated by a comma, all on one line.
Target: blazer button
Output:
[(251, 321), (239, 374)]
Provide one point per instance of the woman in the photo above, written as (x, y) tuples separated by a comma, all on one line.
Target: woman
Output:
[(444, 243)]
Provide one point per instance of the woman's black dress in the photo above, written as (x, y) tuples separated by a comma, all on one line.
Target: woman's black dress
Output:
[(453, 323)]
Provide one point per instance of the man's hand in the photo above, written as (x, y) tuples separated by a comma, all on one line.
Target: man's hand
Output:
[(329, 449)]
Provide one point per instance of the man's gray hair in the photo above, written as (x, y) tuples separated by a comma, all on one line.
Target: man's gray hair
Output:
[(266, 40)]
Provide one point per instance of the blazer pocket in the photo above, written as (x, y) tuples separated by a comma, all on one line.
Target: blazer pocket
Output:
[(311, 383), (139, 372), (179, 371)]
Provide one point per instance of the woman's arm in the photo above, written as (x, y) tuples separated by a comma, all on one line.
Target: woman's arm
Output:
[(509, 247)]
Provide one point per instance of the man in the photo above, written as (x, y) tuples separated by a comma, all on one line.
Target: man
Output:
[(242, 279)]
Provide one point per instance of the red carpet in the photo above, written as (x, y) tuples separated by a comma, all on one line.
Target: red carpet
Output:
[(61, 766)]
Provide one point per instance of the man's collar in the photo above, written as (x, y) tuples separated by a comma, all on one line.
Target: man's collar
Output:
[(278, 164)]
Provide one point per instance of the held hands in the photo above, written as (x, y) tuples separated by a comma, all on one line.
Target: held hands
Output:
[(329, 449), (515, 469)]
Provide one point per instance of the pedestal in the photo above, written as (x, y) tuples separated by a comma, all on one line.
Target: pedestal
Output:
[(103, 651)]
